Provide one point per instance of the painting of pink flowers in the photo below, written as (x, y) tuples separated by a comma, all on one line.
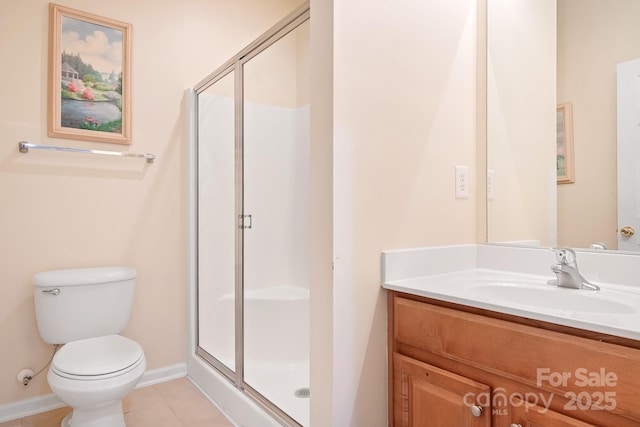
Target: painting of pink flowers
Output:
[(89, 77)]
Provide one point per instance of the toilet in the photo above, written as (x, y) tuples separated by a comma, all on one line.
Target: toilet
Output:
[(85, 309)]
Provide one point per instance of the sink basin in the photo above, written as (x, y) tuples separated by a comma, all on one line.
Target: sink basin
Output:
[(550, 297)]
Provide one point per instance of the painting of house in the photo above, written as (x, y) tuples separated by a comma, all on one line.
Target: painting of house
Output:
[(68, 73), (89, 78)]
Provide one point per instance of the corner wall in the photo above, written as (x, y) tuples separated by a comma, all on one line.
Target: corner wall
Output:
[(404, 105), (521, 111)]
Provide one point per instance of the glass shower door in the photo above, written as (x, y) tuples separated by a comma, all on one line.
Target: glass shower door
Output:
[(276, 212), (252, 205), (217, 223)]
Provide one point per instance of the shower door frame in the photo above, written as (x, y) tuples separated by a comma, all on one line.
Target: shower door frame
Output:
[(235, 67)]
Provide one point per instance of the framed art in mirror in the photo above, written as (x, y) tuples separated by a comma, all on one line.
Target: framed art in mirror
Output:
[(564, 144), (89, 77)]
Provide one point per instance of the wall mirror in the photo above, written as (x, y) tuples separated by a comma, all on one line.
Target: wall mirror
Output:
[(578, 53)]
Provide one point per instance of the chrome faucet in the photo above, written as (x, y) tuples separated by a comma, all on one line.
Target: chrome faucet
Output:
[(566, 270)]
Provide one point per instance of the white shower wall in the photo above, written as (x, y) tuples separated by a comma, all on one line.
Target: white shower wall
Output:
[(276, 175), (276, 194), (276, 179)]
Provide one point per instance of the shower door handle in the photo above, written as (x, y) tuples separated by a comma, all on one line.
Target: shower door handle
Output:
[(246, 221)]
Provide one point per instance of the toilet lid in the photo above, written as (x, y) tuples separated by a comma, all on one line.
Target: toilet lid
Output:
[(97, 356)]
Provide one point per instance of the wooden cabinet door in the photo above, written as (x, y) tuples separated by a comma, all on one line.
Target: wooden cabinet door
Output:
[(427, 396), (526, 414)]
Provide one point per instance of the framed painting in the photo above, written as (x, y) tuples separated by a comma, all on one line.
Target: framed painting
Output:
[(564, 144), (89, 77)]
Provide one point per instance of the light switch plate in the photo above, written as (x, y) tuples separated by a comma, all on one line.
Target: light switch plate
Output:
[(462, 182)]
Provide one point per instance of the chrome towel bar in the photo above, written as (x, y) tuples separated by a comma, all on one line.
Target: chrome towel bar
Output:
[(24, 146)]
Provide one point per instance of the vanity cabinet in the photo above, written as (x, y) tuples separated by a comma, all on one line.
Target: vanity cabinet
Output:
[(421, 387), (452, 365)]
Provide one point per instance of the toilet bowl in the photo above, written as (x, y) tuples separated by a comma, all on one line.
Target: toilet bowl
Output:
[(93, 376), (86, 309)]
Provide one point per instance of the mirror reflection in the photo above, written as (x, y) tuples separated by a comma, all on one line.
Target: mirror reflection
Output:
[(577, 53)]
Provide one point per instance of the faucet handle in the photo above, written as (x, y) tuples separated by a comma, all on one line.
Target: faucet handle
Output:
[(565, 256)]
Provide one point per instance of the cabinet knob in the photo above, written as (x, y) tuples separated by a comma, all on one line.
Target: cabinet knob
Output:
[(476, 410), (515, 425)]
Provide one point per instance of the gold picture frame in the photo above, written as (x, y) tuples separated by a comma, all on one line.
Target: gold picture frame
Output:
[(89, 77), (564, 144)]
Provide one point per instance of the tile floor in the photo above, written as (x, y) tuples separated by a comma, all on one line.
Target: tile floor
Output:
[(176, 403)]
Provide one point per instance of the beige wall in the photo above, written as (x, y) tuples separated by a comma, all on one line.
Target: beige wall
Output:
[(63, 210), (403, 117), (593, 37), (268, 76), (521, 111)]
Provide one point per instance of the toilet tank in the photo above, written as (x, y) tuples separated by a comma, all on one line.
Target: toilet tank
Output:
[(82, 303)]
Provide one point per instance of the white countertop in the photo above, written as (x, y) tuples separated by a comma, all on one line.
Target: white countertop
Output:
[(613, 310)]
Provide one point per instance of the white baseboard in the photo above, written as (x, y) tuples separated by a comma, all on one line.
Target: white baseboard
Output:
[(161, 375), (27, 407), (39, 404)]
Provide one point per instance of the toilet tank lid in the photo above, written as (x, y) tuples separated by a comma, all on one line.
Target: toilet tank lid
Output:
[(83, 276)]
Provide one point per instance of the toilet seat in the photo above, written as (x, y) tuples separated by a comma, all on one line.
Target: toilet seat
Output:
[(97, 358)]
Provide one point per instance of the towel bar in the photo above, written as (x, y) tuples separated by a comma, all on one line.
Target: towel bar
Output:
[(24, 147)]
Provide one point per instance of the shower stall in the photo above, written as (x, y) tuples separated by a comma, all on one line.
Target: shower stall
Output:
[(250, 226)]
